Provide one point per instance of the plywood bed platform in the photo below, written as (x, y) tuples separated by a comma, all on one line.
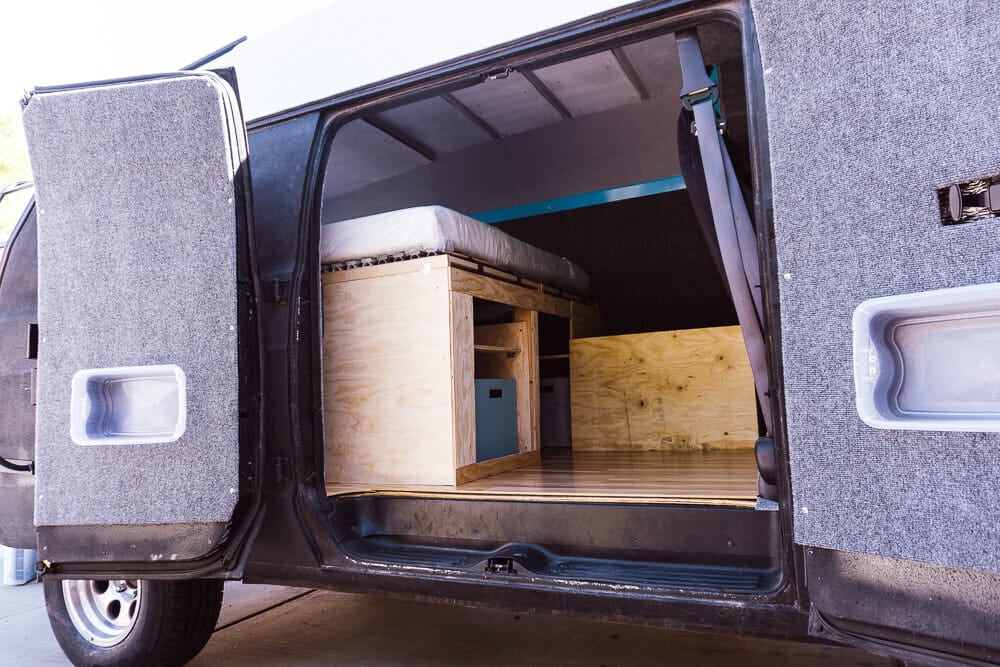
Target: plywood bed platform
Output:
[(716, 477)]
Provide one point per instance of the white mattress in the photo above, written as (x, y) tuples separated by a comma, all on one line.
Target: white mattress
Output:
[(435, 229)]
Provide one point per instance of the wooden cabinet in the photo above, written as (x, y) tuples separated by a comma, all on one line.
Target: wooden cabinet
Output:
[(400, 358)]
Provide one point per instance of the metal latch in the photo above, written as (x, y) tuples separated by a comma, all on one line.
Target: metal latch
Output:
[(279, 291), (720, 124), (32, 350), (978, 199), (500, 566)]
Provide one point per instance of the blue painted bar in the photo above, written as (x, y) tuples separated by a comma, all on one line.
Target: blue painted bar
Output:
[(669, 184)]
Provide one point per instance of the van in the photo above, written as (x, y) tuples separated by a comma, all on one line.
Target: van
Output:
[(669, 313)]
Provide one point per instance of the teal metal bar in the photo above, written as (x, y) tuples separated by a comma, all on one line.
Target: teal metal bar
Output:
[(669, 184)]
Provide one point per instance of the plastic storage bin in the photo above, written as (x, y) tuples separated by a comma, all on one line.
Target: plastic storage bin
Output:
[(18, 565), (496, 419), (128, 405), (930, 360)]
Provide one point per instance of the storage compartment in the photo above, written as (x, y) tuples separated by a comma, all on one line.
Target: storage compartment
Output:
[(401, 356), (662, 391), (128, 406), (930, 360), (18, 565)]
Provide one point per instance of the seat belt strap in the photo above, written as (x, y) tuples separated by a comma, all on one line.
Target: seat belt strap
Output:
[(733, 229)]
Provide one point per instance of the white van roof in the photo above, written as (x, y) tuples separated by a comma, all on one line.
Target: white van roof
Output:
[(353, 43)]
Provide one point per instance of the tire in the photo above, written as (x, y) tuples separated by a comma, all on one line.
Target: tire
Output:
[(132, 622)]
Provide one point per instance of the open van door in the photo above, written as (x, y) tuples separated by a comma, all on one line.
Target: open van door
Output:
[(890, 343), (147, 430)]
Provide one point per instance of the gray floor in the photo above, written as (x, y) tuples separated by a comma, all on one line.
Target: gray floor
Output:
[(271, 625)]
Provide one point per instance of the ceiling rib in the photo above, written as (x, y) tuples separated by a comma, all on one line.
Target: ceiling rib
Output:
[(402, 137), (544, 91), (471, 115), (631, 72)]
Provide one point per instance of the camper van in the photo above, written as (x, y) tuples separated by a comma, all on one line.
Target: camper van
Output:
[(678, 313)]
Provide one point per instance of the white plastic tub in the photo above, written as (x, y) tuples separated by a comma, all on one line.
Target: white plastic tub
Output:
[(930, 361), (128, 405)]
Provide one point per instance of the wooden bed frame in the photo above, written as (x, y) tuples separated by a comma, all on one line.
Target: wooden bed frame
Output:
[(400, 358)]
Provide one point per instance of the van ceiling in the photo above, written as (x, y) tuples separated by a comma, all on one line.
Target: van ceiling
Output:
[(403, 138), (608, 120)]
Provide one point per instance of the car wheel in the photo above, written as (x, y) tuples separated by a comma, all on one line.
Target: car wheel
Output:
[(132, 621)]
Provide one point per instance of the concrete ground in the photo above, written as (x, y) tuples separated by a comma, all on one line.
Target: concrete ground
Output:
[(272, 625)]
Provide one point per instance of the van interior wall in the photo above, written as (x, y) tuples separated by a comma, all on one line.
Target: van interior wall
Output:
[(630, 144), (649, 266)]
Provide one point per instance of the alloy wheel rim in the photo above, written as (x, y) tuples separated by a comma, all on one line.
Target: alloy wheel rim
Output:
[(103, 611)]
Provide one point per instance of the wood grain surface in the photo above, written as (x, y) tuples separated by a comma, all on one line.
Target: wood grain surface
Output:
[(399, 364), (387, 378), (724, 476), (669, 390)]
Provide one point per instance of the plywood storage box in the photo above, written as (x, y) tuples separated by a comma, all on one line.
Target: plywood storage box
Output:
[(401, 356), (662, 391)]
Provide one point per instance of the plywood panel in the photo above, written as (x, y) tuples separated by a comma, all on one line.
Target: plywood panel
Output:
[(387, 374), (463, 379), (503, 464), (489, 289), (671, 390), (530, 403)]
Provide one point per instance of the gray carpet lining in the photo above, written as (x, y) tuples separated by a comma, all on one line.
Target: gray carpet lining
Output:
[(137, 266), (870, 108)]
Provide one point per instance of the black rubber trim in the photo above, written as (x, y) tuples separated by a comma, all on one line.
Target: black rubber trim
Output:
[(823, 627), (540, 561)]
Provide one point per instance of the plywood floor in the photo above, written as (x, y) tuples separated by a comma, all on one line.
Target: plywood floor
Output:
[(727, 476)]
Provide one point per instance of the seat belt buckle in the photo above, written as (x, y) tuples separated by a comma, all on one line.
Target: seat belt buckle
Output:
[(693, 97), (720, 125)]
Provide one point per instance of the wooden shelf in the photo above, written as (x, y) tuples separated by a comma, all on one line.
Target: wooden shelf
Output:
[(497, 349)]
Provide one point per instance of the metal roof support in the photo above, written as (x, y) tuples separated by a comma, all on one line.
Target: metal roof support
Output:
[(471, 115), (631, 72), (544, 91), (402, 137)]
